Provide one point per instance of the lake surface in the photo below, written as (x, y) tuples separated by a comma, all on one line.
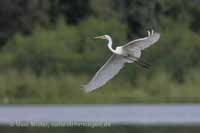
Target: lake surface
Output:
[(148, 114)]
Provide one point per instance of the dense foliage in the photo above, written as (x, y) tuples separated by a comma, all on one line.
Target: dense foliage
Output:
[(48, 51)]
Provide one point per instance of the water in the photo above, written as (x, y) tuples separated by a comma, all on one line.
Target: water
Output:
[(153, 114)]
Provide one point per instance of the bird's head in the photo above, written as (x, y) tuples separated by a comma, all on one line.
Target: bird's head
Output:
[(103, 37)]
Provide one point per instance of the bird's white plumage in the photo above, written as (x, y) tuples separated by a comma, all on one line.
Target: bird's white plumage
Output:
[(143, 43), (114, 64), (128, 53)]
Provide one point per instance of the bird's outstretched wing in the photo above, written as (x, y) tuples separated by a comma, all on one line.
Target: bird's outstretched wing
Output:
[(106, 72), (143, 43)]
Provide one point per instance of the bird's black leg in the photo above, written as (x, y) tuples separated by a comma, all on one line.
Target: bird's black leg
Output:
[(140, 62)]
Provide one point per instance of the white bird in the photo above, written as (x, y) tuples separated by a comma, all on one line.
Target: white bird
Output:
[(127, 53)]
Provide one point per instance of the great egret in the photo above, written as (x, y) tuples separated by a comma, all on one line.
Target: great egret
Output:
[(127, 53)]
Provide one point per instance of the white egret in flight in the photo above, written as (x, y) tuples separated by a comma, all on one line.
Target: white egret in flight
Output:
[(127, 53)]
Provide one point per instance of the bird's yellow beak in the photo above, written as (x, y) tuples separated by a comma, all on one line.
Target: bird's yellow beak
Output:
[(99, 37)]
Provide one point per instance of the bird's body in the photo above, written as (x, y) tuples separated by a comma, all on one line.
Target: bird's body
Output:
[(119, 50), (128, 53)]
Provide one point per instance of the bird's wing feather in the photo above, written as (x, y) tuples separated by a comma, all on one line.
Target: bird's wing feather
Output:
[(143, 43), (106, 72)]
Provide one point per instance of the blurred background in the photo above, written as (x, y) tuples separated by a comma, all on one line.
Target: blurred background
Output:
[(47, 50)]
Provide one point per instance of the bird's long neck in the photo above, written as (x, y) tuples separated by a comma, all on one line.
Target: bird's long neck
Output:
[(110, 45)]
